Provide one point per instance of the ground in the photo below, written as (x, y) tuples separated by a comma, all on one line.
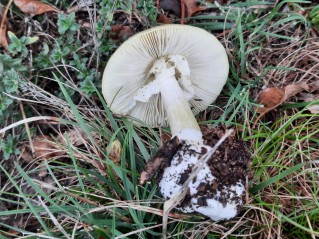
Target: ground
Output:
[(69, 168)]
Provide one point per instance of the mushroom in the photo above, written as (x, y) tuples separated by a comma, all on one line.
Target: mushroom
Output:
[(163, 77)]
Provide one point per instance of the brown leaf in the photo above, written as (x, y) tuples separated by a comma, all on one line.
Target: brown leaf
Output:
[(34, 7), (163, 19), (314, 86), (293, 89), (161, 160), (314, 109), (314, 155), (174, 6), (193, 7), (309, 97), (44, 148), (3, 28), (271, 98), (121, 33)]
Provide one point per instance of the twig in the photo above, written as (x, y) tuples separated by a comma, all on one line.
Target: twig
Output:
[(4, 17), (180, 194), (182, 11), (27, 128)]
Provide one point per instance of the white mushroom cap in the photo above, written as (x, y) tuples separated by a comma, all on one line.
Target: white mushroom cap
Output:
[(128, 70)]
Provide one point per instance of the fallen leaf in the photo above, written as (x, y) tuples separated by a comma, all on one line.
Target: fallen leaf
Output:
[(121, 33), (271, 98), (314, 109), (163, 19), (175, 6), (314, 86), (309, 97), (3, 28), (192, 7), (115, 149), (34, 7), (44, 148), (293, 89)]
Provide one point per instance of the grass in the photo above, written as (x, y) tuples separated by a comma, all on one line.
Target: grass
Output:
[(82, 192)]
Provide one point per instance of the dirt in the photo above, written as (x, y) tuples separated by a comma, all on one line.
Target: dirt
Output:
[(230, 167), (161, 160)]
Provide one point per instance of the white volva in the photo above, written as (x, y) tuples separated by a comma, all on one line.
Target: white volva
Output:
[(215, 206)]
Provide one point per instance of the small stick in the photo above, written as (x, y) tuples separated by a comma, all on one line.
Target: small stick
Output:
[(179, 196), (27, 128), (182, 11), (4, 17)]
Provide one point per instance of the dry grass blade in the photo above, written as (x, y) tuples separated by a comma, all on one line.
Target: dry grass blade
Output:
[(178, 196), (32, 119), (54, 219)]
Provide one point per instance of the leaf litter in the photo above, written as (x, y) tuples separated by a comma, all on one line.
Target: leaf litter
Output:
[(190, 7), (294, 79), (35, 7)]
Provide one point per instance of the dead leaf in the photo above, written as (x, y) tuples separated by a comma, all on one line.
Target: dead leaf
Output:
[(309, 97), (115, 149), (293, 89), (191, 7), (271, 98), (44, 148), (314, 86), (314, 109), (121, 33), (3, 28), (163, 19), (35, 7)]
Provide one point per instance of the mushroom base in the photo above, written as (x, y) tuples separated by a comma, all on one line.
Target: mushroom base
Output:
[(219, 189)]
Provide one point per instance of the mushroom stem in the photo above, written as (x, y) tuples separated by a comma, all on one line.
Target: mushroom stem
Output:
[(180, 117), (179, 114)]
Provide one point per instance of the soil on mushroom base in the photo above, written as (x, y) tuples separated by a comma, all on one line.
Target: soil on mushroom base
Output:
[(229, 165)]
